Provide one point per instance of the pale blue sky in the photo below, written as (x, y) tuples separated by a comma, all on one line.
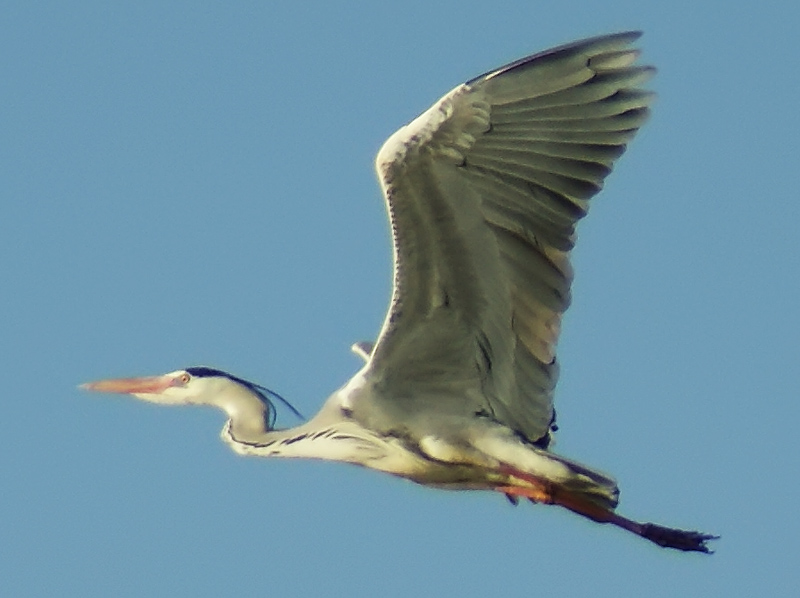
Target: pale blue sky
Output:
[(188, 183)]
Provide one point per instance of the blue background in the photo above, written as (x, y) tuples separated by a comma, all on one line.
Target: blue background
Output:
[(190, 183)]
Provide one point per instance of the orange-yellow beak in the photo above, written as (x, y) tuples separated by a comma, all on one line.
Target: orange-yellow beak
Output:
[(128, 386)]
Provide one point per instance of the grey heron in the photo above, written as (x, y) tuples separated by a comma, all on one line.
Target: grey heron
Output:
[(483, 192)]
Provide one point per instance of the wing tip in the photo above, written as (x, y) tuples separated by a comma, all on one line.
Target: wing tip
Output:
[(622, 38)]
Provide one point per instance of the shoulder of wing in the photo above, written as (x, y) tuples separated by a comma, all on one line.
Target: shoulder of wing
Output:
[(446, 131)]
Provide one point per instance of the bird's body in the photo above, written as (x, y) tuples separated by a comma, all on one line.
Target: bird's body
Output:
[(483, 192)]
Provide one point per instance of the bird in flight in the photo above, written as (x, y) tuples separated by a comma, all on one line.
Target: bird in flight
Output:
[(483, 192)]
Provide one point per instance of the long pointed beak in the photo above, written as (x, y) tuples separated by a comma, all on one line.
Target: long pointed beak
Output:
[(128, 386)]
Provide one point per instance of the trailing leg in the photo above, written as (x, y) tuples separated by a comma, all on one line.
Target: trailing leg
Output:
[(587, 505)]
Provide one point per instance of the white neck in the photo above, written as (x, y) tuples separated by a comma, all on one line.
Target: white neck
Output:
[(338, 441)]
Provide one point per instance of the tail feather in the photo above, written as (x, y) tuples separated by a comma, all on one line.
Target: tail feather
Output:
[(595, 486), (540, 466)]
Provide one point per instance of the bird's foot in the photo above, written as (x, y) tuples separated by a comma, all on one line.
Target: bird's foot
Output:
[(539, 491), (668, 537)]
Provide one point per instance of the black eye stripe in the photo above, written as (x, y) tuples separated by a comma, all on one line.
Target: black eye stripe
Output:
[(205, 372)]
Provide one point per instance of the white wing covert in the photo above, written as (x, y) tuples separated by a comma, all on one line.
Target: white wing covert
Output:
[(483, 192)]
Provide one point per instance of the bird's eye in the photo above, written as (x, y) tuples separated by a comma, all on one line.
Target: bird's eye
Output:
[(185, 377)]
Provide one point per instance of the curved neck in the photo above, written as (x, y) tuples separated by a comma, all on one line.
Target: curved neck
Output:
[(323, 437), (248, 415), (329, 435)]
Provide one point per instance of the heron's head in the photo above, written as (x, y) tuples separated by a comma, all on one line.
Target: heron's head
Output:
[(180, 387), (198, 386)]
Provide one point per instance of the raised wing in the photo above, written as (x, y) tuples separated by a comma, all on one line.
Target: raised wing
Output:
[(483, 191)]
